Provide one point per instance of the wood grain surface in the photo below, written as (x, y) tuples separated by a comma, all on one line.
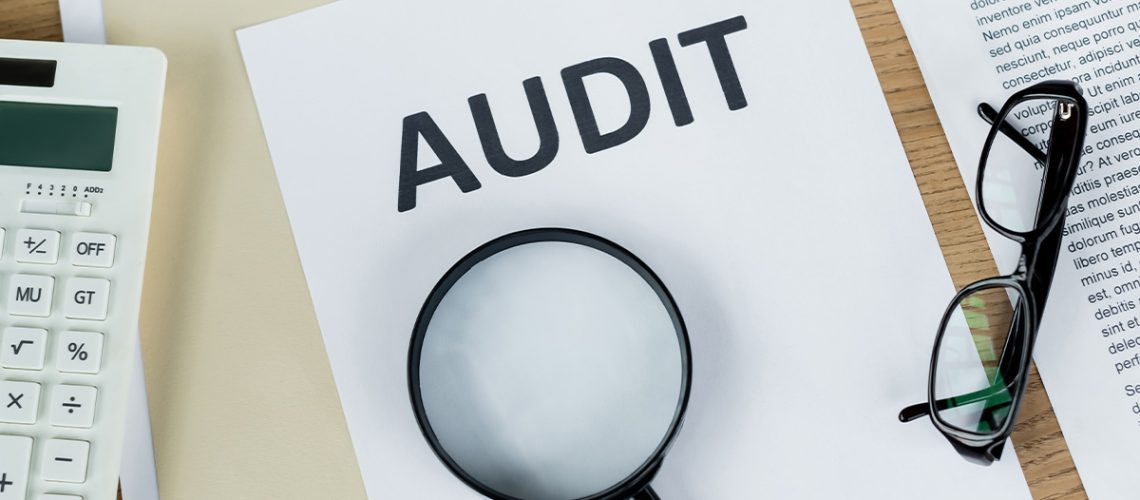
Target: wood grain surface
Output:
[(30, 20), (1044, 456), (1040, 446)]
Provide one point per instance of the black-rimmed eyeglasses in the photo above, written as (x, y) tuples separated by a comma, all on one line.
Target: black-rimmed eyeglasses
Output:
[(980, 365)]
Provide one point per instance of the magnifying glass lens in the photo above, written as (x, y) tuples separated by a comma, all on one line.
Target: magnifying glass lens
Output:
[(551, 370)]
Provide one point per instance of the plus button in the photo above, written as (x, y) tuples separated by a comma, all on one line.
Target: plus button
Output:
[(4, 482)]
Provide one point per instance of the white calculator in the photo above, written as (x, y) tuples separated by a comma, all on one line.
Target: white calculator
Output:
[(78, 141)]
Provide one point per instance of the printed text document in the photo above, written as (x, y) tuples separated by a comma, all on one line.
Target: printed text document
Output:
[(1088, 351)]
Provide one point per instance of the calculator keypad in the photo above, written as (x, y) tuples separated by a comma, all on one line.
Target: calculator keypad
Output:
[(58, 280)]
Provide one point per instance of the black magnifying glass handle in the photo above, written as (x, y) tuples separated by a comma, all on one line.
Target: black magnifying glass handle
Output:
[(646, 494)]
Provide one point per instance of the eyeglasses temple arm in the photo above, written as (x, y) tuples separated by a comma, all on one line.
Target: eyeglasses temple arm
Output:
[(646, 494), (916, 411), (989, 114)]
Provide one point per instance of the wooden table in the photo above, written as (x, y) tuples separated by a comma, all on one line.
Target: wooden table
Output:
[(1038, 440), (1044, 456)]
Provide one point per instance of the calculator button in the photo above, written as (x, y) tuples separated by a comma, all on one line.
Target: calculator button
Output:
[(79, 352), (93, 250), (65, 461), (23, 348), (86, 298), (37, 246), (56, 496), (73, 406), (15, 460), (19, 402), (30, 295)]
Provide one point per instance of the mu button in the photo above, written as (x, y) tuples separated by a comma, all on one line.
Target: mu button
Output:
[(30, 295), (86, 298)]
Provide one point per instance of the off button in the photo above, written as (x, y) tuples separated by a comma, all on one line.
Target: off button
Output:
[(93, 250)]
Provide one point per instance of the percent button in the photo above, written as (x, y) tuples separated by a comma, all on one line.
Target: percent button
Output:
[(80, 352)]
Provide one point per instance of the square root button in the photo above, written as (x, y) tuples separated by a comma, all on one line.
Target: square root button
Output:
[(86, 298), (23, 348)]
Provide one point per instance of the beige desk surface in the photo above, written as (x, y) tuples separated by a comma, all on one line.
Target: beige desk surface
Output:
[(242, 399)]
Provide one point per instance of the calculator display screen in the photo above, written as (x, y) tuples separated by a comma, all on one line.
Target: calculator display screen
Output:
[(57, 136)]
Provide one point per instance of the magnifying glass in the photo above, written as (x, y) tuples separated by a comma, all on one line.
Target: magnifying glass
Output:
[(551, 364)]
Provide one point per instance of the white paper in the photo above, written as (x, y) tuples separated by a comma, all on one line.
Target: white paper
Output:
[(1097, 407), (790, 231), (138, 476), (83, 23)]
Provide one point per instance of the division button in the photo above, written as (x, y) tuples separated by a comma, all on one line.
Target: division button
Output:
[(73, 406)]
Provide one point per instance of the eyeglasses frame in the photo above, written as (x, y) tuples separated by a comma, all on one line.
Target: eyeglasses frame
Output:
[(1040, 249)]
